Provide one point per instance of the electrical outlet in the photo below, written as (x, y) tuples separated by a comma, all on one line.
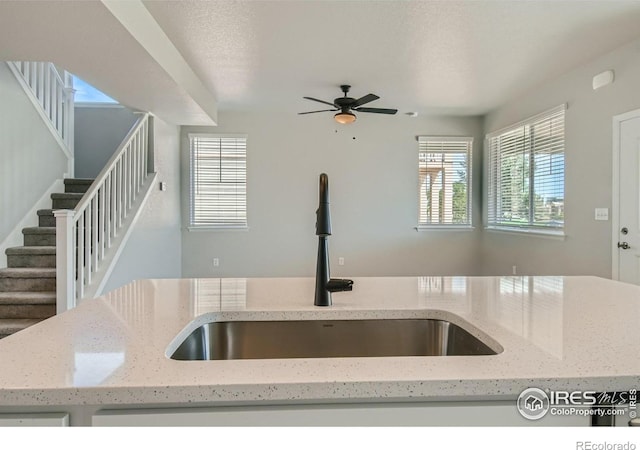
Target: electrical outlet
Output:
[(341, 261), (163, 186), (216, 262), (514, 270)]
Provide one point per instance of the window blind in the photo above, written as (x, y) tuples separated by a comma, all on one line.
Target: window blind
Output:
[(526, 174), (445, 181), (218, 181)]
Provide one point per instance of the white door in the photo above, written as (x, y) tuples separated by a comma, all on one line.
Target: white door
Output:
[(626, 232)]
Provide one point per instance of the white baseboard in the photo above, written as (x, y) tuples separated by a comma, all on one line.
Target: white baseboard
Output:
[(30, 219)]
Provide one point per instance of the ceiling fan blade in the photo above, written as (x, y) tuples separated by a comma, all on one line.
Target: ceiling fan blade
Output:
[(366, 99), (377, 110), (321, 101), (322, 110)]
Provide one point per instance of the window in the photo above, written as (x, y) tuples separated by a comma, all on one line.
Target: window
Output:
[(83, 92), (445, 181), (218, 191), (526, 175)]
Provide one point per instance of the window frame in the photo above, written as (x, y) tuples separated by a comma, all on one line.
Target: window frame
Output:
[(492, 181), (211, 226), (468, 141)]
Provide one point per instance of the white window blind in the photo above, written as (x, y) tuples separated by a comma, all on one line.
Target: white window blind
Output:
[(218, 181), (445, 181), (526, 174)]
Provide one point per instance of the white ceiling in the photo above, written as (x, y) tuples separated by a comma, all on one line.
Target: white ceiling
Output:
[(441, 57), (86, 39)]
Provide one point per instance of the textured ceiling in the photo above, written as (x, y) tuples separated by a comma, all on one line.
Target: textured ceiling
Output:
[(458, 57), (440, 57)]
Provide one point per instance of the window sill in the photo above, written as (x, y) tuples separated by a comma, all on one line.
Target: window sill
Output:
[(220, 228), (444, 227), (559, 235)]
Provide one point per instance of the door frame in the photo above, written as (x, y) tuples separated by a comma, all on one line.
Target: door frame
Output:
[(615, 189)]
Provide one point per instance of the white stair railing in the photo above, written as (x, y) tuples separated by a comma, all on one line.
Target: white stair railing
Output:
[(53, 93), (89, 237)]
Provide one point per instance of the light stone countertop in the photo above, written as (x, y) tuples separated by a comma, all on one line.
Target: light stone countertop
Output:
[(556, 332)]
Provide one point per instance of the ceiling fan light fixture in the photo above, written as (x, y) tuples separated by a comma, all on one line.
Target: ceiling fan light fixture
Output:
[(345, 118)]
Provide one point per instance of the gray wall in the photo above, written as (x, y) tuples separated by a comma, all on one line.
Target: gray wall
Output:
[(586, 250), (99, 130), (30, 158), (374, 196), (154, 246)]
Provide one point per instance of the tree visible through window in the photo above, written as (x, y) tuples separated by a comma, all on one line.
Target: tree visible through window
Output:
[(526, 174), (445, 181)]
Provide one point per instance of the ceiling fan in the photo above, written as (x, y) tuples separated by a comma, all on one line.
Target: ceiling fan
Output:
[(346, 106)]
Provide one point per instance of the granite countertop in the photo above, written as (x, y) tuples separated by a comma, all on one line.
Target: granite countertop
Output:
[(555, 332)]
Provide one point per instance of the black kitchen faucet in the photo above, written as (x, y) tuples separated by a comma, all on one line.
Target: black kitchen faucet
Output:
[(325, 285)]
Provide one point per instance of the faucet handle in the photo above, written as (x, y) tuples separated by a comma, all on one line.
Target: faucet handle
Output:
[(339, 284)]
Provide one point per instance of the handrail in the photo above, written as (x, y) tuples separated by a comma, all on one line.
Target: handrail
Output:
[(54, 95), (89, 235), (117, 155)]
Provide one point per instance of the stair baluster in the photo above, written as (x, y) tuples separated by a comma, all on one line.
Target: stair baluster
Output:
[(101, 219)]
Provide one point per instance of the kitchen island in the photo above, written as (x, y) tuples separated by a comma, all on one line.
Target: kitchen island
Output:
[(107, 361)]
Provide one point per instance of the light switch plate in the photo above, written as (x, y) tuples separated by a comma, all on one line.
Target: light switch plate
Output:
[(602, 213)]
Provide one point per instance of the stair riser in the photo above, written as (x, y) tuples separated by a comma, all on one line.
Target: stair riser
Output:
[(4, 332), (30, 308), (31, 260), (27, 311), (39, 239), (46, 221), (64, 203), (27, 284), (76, 188)]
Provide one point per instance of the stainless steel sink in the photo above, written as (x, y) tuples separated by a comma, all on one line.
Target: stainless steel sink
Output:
[(328, 339)]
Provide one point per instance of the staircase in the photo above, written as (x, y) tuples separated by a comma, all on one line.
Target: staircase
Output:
[(28, 284)]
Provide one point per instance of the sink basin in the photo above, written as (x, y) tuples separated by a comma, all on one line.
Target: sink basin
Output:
[(328, 339)]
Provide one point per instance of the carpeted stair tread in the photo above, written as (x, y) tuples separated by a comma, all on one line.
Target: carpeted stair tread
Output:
[(27, 305), (39, 230), (77, 184), (10, 326), (31, 250), (31, 298), (46, 218), (65, 195), (31, 256), (39, 236), (28, 272), (79, 181), (28, 285), (67, 200)]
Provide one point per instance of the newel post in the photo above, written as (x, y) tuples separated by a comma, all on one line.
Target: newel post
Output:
[(65, 267)]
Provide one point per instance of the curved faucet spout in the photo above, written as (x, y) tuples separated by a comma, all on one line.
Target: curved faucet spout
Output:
[(323, 216)]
